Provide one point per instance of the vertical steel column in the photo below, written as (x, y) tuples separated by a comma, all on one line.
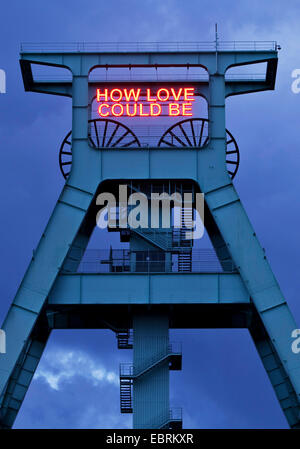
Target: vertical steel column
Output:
[(151, 384), (276, 372), (46, 263)]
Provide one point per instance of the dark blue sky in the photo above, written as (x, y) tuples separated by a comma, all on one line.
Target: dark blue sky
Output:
[(222, 383)]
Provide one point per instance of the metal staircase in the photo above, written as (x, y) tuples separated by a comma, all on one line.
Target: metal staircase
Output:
[(125, 395), (128, 374), (125, 339), (173, 421), (159, 238), (172, 239), (127, 370), (185, 262), (181, 243)]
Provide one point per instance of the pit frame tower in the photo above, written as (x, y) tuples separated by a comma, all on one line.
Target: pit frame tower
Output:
[(53, 294)]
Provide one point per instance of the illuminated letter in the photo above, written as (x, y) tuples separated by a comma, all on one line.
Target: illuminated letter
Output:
[(189, 91), (103, 114), (117, 114), (132, 93), (119, 92), (133, 114), (141, 111), (174, 109), (166, 92), (99, 94), (152, 106), (187, 109), (148, 96), (176, 98)]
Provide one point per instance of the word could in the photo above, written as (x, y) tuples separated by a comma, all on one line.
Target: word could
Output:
[(2, 342), (137, 211), (2, 82), (133, 103)]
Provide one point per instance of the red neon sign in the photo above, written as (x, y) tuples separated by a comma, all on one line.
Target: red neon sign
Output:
[(132, 103)]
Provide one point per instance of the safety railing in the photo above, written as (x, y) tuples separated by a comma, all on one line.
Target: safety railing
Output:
[(164, 419), (129, 370), (175, 414), (141, 47), (162, 238), (107, 77), (148, 261)]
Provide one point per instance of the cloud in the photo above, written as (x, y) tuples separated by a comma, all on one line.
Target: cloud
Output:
[(62, 366), (74, 388)]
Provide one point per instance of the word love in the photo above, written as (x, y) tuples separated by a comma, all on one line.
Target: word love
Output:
[(132, 102)]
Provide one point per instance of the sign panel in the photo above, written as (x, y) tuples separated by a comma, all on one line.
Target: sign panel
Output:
[(126, 102)]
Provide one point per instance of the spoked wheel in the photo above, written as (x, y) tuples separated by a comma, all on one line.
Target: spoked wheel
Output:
[(232, 155), (65, 156), (102, 133), (194, 133), (187, 133)]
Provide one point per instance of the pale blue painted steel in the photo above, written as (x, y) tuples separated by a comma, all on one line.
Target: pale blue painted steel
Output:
[(151, 390), (206, 166), (122, 288)]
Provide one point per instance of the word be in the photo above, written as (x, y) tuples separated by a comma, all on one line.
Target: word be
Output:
[(132, 103), (2, 342)]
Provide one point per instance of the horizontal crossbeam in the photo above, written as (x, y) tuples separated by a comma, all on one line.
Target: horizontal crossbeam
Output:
[(172, 288)]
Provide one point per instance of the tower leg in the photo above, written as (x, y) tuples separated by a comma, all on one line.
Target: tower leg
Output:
[(274, 322), (26, 338), (151, 389), (278, 376), (13, 395)]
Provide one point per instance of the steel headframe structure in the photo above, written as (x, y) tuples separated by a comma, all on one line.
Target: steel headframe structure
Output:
[(55, 294)]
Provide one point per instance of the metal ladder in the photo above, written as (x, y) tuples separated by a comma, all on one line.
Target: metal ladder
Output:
[(185, 262), (128, 374), (125, 339), (126, 395)]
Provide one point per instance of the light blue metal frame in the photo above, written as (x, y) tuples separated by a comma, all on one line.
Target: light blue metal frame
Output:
[(44, 286)]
